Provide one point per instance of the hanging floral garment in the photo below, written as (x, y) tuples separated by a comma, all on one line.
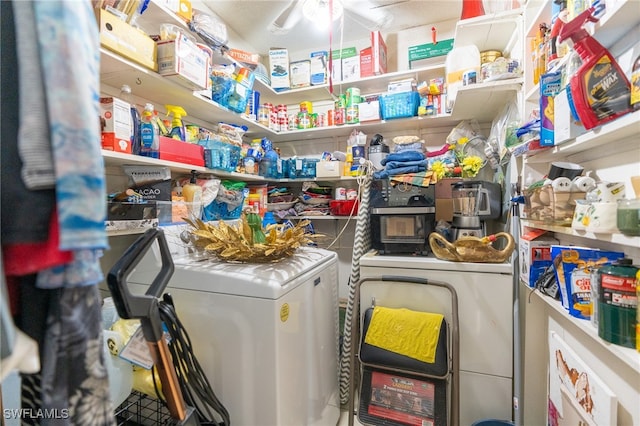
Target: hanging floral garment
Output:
[(51, 147)]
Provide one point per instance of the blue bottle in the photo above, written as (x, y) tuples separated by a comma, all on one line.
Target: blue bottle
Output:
[(149, 134)]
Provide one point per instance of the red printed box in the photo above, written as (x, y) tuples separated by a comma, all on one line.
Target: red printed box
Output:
[(181, 152)]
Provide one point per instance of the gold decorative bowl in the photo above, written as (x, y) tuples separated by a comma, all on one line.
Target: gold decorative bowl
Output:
[(472, 249), (237, 243)]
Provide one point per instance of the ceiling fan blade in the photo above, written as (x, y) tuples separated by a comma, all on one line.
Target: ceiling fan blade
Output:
[(368, 15), (287, 19)]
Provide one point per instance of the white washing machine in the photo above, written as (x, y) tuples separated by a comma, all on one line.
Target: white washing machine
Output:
[(266, 335)]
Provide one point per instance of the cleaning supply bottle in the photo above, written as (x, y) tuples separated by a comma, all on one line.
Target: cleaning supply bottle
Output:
[(178, 131), (125, 95), (149, 133), (599, 88), (192, 193)]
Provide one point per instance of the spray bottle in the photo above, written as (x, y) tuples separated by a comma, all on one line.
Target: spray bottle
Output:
[(178, 130), (600, 89)]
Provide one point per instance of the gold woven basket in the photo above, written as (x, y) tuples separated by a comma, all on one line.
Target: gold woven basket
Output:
[(235, 243), (472, 249)]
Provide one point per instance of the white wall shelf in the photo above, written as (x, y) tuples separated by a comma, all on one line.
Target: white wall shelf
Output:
[(629, 356), (615, 238), (488, 32), (617, 135), (368, 85)]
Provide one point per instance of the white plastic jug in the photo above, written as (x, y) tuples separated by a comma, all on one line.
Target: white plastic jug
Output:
[(459, 60)]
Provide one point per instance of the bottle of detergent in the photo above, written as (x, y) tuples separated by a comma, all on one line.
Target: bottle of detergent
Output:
[(192, 193), (149, 133), (178, 131), (600, 89)]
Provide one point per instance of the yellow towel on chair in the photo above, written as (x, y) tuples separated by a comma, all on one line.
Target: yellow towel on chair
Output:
[(410, 333)]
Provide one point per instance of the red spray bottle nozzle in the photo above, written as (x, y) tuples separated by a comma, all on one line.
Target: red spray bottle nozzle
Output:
[(574, 28)]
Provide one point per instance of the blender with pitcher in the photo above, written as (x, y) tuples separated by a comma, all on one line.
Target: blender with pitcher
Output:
[(474, 202)]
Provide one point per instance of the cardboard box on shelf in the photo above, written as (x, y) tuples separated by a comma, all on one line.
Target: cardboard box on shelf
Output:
[(300, 73), (379, 53), (351, 68), (125, 40), (244, 57), (131, 216), (429, 54), (402, 86), (444, 209), (565, 127), (319, 61), (341, 59), (443, 187), (366, 62), (115, 119), (329, 168), (181, 152), (185, 10), (279, 68), (535, 254), (549, 88), (182, 61), (369, 109)]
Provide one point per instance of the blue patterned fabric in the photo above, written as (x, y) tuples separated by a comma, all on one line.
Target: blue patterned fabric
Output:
[(70, 57)]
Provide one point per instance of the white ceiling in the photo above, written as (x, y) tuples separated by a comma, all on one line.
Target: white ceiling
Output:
[(250, 19)]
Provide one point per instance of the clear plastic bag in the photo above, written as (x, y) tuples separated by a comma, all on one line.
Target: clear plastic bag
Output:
[(209, 28)]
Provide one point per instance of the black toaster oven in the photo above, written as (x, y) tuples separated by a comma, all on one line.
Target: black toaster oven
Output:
[(401, 216)]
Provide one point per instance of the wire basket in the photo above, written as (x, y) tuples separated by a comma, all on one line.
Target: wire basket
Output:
[(399, 105), (142, 410)]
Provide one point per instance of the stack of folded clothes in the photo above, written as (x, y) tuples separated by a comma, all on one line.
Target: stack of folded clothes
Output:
[(407, 157), (314, 200)]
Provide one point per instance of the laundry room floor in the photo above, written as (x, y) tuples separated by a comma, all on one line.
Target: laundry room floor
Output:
[(344, 419)]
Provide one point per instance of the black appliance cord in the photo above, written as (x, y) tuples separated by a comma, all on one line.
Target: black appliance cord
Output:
[(195, 386)]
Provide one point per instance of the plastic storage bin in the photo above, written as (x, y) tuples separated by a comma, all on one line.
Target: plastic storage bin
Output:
[(222, 156), (221, 211), (302, 168), (344, 207), (543, 204), (399, 105)]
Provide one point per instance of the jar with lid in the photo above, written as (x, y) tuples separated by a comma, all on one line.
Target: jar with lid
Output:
[(303, 120), (264, 112), (628, 216)]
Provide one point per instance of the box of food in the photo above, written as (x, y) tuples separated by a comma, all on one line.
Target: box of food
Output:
[(549, 88), (128, 216), (115, 120)]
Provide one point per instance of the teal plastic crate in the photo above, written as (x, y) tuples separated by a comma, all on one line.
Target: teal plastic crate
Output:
[(399, 105)]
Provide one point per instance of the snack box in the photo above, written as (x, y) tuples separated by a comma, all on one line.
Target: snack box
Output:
[(573, 266)]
